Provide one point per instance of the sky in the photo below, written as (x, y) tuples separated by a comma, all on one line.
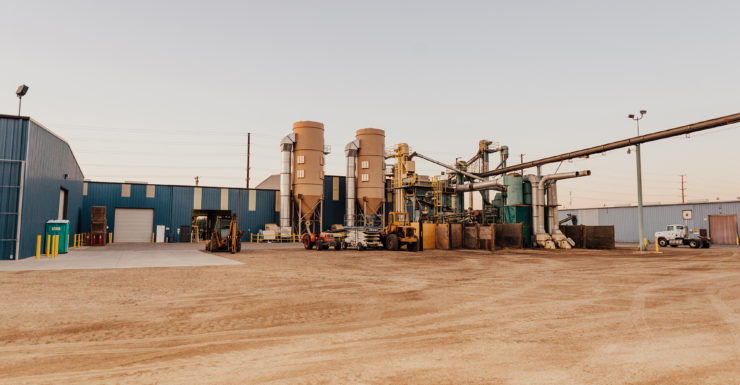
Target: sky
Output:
[(163, 91)]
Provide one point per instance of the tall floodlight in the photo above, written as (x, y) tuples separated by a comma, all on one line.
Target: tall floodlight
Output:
[(21, 91), (640, 223)]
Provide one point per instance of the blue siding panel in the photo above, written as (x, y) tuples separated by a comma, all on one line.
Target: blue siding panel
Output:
[(211, 199), (333, 209), (13, 140), (50, 166), (173, 205), (181, 207)]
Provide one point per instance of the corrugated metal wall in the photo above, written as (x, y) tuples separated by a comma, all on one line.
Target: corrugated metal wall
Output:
[(173, 205), (13, 139), (50, 166), (334, 208), (624, 219)]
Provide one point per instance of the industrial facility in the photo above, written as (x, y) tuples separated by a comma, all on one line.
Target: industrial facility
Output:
[(381, 201)]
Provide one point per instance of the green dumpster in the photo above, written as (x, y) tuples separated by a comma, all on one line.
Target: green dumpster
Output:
[(59, 227)]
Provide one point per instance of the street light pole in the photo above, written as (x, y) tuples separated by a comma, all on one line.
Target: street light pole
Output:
[(21, 92), (640, 221)]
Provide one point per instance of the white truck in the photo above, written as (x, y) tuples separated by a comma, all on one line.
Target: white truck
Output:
[(677, 235)]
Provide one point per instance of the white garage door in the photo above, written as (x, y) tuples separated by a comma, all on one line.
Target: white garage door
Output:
[(133, 225)]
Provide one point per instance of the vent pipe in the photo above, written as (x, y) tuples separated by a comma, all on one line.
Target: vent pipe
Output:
[(286, 151), (545, 180), (351, 151)]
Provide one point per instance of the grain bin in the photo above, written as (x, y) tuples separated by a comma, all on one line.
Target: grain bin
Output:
[(371, 170), (308, 167)]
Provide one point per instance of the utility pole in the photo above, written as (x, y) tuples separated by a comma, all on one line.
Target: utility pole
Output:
[(196, 181), (640, 224), (249, 148), (683, 189)]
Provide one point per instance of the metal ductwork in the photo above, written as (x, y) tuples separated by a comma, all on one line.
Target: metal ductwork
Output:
[(552, 203), (351, 150), (536, 218), (538, 202), (545, 180), (477, 186), (286, 151)]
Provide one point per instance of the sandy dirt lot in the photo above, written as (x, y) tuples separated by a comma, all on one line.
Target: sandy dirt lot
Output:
[(290, 316)]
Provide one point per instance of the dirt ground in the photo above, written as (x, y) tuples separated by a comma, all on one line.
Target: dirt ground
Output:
[(290, 316)]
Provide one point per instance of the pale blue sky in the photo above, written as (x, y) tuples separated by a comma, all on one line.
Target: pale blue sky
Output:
[(191, 78)]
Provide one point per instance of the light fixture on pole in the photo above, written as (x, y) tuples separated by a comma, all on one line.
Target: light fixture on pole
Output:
[(21, 91), (640, 223)]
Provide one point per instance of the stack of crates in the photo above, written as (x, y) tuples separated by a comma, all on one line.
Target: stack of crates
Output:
[(98, 226)]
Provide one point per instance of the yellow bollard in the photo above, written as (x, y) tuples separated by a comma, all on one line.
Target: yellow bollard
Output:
[(48, 244), (644, 240), (737, 241), (152, 237), (657, 250), (110, 237), (38, 247), (54, 246)]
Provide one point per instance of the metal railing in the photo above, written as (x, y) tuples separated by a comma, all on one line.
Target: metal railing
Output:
[(260, 238)]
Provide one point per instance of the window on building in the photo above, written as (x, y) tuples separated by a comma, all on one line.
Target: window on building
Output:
[(365, 164), (150, 190), (300, 159), (300, 173), (252, 200), (365, 177), (84, 189), (335, 188), (126, 190)]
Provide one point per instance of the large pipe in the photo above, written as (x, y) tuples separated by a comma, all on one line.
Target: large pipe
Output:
[(540, 194), (350, 150), (286, 149), (552, 202), (477, 186), (469, 175), (534, 181), (687, 129)]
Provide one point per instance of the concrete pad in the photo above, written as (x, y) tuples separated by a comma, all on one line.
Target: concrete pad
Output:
[(123, 256)]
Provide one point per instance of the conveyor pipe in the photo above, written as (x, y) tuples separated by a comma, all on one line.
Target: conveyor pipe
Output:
[(469, 175), (687, 129)]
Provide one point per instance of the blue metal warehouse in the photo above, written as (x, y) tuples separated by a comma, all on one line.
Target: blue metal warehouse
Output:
[(174, 206), (39, 180), (624, 219)]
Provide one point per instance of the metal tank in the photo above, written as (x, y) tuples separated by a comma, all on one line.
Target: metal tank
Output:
[(370, 168), (308, 167), (514, 189)]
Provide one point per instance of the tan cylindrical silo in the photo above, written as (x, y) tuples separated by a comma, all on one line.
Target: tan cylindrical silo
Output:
[(370, 167), (308, 165)]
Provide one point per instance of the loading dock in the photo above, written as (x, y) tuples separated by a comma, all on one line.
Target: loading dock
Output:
[(133, 225), (723, 229)]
